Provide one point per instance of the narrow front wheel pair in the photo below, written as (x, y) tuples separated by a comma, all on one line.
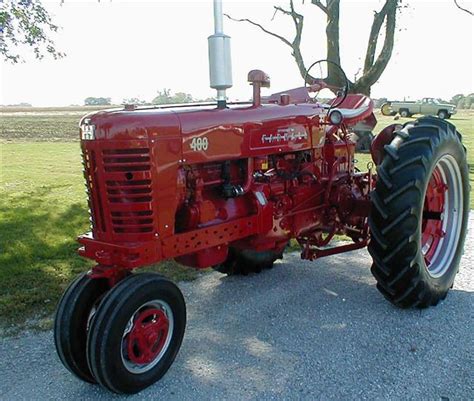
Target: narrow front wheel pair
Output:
[(125, 338)]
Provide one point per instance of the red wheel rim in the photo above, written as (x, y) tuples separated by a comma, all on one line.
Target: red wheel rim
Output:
[(443, 215), (147, 336)]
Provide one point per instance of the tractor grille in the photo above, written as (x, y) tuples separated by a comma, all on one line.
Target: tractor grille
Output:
[(120, 191), (129, 199)]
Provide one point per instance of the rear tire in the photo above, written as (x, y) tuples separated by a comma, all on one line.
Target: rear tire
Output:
[(417, 240), (136, 333), (72, 320), (245, 261)]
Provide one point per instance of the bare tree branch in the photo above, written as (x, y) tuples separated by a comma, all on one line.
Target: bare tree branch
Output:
[(295, 44), (462, 8), (320, 5), (283, 39), (298, 21), (379, 18), (373, 73), (282, 10)]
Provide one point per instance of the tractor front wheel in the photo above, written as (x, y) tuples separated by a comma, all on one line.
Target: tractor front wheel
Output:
[(419, 214), (71, 325), (136, 333)]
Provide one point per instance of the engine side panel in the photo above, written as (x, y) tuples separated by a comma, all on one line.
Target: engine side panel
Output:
[(248, 132)]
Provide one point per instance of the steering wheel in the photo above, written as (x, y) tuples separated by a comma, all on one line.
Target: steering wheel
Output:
[(316, 85)]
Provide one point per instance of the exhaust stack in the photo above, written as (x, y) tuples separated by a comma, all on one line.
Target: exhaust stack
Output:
[(220, 65)]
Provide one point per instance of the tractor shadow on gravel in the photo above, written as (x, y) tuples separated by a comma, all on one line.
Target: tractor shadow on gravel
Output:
[(319, 322)]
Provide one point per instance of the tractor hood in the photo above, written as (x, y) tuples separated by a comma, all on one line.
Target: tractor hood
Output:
[(147, 123)]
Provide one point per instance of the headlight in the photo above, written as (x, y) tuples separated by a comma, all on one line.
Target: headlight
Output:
[(335, 117)]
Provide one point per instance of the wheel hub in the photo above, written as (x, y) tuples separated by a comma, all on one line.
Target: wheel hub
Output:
[(147, 337)]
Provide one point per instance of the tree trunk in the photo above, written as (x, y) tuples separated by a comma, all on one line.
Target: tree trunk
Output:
[(332, 40), (360, 88)]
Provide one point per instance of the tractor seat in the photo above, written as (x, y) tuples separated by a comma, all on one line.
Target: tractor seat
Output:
[(355, 108)]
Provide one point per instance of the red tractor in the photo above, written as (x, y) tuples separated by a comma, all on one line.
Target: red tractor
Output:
[(229, 187)]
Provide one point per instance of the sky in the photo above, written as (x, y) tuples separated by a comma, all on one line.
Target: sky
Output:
[(123, 49)]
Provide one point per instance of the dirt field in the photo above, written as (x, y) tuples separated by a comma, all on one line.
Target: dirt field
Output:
[(36, 124)]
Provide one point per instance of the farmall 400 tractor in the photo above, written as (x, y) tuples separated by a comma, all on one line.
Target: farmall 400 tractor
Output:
[(228, 186)]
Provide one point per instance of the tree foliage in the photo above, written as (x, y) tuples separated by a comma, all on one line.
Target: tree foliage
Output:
[(463, 101), (166, 97), (26, 23), (134, 100), (97, 101)]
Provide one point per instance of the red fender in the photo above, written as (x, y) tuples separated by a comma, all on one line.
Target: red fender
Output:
[(383, 138)]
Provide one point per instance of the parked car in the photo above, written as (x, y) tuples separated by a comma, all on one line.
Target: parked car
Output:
[(426, 106)]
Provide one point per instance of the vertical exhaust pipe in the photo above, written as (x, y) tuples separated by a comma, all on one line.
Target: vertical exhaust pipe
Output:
[(220, 66)]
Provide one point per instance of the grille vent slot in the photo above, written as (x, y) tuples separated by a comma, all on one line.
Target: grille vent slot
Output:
[(126, 160)]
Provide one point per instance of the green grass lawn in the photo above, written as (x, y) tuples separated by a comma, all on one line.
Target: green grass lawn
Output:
[(43, 209)]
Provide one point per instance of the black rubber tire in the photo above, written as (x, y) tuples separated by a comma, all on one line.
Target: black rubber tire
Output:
[(404, 113), (396, 213), (108, 325), (243, 262), (443, 114), (71, 323)]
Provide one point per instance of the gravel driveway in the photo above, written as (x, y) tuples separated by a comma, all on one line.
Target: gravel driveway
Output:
[(304, 330)]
